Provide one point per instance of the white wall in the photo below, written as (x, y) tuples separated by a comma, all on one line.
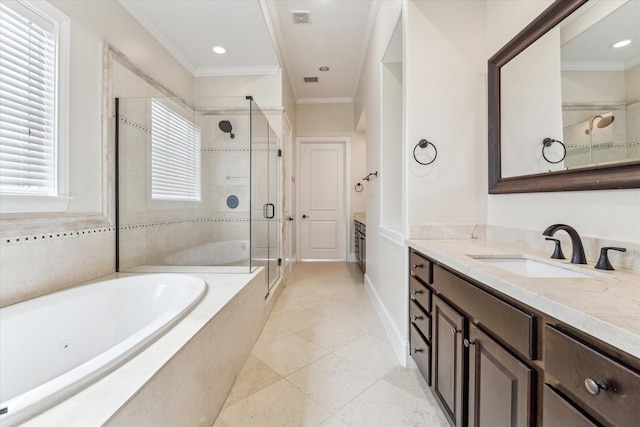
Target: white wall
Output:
[(385, 276), (609, 214), (265, 89)]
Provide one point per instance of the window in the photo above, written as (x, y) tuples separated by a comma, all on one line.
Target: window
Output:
[(175, 155), (32, 104)]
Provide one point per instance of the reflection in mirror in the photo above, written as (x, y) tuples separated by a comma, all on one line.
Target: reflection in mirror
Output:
[(573, 86)]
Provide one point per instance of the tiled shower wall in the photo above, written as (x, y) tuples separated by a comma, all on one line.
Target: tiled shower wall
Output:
[(151, 231)]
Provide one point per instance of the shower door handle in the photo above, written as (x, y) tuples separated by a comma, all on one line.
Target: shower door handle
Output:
[(268, 215)]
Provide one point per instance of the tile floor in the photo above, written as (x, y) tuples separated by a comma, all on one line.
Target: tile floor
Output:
[(323, 359)]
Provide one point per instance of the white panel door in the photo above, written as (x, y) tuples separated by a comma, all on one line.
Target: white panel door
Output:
[(322, 204)]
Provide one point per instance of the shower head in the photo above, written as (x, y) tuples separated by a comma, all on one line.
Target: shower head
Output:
[(605, 121), (602, 123), (225, 126)]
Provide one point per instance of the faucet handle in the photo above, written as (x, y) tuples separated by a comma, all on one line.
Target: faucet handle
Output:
[(603, 262), (557, 252)]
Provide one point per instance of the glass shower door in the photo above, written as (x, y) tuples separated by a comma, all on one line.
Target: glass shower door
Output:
[(265, 215)]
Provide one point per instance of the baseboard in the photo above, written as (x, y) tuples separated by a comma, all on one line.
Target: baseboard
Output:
[(398, 343)]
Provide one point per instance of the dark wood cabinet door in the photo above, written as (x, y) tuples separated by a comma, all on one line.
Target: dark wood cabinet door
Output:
[(559, 412), (500, 385), (448, 360)]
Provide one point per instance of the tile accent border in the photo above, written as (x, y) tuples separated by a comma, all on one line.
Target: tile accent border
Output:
[(39, 237)]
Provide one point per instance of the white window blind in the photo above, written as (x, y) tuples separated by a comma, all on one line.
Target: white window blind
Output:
[(175, 155), (27, 102)]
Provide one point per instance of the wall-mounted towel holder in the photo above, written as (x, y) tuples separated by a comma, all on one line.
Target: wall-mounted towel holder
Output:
[(547, 143), (423, 144), (368, 177)]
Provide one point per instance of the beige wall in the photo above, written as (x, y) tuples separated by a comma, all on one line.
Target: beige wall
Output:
[(337, 120), (48, 252), (265, 89)]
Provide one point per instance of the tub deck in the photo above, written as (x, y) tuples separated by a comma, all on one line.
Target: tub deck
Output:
[(100, 402)]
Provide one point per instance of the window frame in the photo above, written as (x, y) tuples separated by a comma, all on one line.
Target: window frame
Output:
[(17, 203)]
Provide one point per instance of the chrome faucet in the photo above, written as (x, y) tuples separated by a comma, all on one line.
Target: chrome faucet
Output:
[(577, 256)]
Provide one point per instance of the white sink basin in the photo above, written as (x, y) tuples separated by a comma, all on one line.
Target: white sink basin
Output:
[(528, 267)]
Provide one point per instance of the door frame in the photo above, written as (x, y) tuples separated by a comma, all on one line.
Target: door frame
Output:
[(346, 141), (288, 190)]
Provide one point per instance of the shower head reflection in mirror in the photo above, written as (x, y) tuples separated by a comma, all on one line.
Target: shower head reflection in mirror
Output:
[(602, 123)]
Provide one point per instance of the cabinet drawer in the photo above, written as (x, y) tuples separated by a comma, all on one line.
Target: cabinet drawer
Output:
[(420, 267), (420, 319), (420, 294), (513, 326), (559, 412), (421, 353), (572, 363)]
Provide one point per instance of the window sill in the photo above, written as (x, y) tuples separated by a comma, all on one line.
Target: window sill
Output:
[(13, 204)]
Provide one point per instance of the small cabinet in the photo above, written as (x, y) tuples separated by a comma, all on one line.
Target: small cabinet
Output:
[(449, 331), (559, 412), (500, 385)]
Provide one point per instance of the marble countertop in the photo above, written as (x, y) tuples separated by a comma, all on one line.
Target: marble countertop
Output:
[(361, 217), (605, 306)]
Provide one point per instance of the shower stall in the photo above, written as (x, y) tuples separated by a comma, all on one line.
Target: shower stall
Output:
[(197, 186)]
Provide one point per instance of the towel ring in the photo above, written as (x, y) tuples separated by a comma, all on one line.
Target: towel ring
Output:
[(547, 143), (424, 144), (359, 188)]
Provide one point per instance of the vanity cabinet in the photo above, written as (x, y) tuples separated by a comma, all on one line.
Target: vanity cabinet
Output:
[(360, 244), (449, 330), (590, 379), (500, 385), (496, 362), (479, 347)]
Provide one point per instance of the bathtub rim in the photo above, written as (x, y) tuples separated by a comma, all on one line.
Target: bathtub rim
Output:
[(97, 403), (65, 385)]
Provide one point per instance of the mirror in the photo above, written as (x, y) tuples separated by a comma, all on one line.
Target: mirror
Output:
[(564, 106)]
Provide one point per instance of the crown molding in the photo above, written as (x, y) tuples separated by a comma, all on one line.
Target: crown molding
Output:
[(235, 71), (335, 100)]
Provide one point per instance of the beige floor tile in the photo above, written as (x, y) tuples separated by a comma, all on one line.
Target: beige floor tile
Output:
[(384, 404), (331, 381), (372, 354), (255, 376), (219, 423), (280, 404), (331, 422), (289, 354), (271, 333), (297, 318), (409, 380), (379, 333), (334, 334)]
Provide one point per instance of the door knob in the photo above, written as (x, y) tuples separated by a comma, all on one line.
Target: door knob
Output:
[(290, 218), (306, 216)]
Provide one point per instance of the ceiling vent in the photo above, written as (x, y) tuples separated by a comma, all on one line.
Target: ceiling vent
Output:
[(311, 80), (301, 17)]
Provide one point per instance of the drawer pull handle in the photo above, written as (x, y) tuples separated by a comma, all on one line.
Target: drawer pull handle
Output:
[(416, 317), (455, 331), (418, 350), (418, 265), (594, 387), (417, 291), (467, 342)]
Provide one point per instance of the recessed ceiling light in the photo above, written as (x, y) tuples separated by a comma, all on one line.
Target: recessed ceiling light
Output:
[(219, 50), (621, 43), (323, 68)]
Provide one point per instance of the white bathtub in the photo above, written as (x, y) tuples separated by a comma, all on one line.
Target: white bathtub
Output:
[(223, 253), (54, 345)]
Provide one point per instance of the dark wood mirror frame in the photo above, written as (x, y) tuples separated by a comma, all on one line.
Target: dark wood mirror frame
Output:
[(605, 177)]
